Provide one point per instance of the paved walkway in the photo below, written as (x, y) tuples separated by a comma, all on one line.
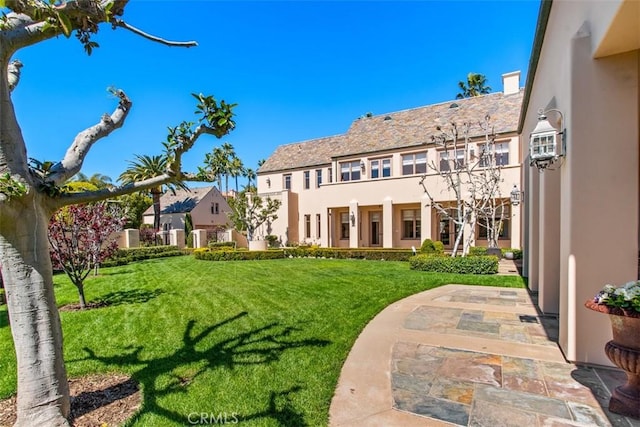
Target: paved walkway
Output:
[(470, 356)]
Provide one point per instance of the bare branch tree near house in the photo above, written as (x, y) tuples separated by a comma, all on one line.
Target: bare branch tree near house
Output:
[(472, 183), (491, 208), (30, 194), (249, 211), (455, 173)]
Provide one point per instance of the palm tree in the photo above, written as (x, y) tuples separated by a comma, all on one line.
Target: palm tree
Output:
[(97, 179), (227, 155), (475, 85), (236, 169), (251, 175), (146, 167)]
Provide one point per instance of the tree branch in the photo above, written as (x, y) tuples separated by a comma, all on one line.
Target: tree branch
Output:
[(107, 193), (73, 159), (120, 23)]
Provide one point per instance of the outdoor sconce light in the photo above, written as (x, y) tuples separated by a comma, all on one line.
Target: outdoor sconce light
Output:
[(545, 145), (515, 195), (362, 165), (269, 182), (353, 219)]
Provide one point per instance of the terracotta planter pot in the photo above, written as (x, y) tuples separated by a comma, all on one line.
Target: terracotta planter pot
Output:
[(624, 351)]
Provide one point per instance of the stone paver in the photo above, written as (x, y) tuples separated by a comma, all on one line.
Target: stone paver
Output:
[(470, 356)]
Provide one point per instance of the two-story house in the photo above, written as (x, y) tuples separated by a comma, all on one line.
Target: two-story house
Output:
[(206, 205), (362, 188)]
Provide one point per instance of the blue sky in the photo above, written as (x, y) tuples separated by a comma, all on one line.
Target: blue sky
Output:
[(298, 70)]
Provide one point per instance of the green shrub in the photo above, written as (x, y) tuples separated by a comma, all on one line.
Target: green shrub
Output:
[(272, 241), (427, 247), (226, 255), (349, 253), (517, 253), (460, 265), (221, 245), (125, 256), (305, 252), (439, 246), (477, 251)]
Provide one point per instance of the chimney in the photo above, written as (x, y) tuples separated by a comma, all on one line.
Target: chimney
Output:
[(511, 82)]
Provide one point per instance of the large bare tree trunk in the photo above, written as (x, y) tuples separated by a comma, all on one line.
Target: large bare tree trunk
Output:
[(43, 391)]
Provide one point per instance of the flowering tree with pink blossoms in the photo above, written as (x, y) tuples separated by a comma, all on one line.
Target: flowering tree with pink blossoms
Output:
[(81, 237)]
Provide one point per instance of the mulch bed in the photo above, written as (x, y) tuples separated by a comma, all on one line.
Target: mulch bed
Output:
[(96, 400)]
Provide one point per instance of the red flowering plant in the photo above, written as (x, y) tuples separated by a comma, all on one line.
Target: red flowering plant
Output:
[(621, 300), (81, 237)]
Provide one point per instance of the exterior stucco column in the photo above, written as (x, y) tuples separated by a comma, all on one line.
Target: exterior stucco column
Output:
[(532, 250), (326, 230), (176, 238), (425, 219), (599, 211), (549, 242), (354, 225), (387, 222)]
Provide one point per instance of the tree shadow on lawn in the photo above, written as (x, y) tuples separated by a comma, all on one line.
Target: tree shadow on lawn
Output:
[(261, 345), (132, 296)]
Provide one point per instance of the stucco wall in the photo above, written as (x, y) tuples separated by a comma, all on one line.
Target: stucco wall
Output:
[(591, 238)]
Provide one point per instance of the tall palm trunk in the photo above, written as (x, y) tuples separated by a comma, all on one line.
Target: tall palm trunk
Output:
[(43, 391), (155, 194)]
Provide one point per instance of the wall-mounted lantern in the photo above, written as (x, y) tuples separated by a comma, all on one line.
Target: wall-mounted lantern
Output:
[(269, 182), (546, 144), (362, 165), (515, 196), (353, 219)]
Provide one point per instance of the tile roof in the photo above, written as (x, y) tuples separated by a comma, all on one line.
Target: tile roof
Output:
[(180, 202), (400, 129)]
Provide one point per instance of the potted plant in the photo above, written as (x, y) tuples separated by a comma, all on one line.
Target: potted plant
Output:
[(622, 304)]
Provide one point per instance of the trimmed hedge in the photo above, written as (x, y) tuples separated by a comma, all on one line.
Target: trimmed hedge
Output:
[(481, 251), (460, 265), (227, 255), (348, 253), (125, 256), (222, 245), (304, 252)]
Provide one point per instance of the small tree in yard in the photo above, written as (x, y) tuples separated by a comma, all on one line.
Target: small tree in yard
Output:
[(30, 194), (249, 211), (80, 238), (474, 181)]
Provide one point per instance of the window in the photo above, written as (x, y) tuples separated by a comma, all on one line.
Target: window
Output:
[(411, 224), (447, 156), (318, 178), (350, 171), (460, 159), (307, 226), (504, 228), (344, 225), (414, 163), (287, 181), (307, 180), (380, 168), (330, 173), (317, 226), (215, 208), (501, 153), (444, 161)]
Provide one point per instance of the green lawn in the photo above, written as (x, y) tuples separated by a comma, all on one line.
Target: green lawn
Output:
[(262, 341)]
